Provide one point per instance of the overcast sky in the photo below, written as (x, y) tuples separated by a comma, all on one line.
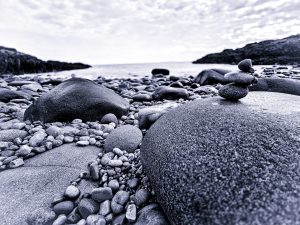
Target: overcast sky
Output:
[(129, 31)]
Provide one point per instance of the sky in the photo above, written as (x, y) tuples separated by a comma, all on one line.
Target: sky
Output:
[(134, 31)]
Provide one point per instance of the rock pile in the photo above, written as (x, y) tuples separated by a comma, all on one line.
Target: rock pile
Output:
[(238, 82)]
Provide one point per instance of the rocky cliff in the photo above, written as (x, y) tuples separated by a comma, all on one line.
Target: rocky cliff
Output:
[(14, 62), (281, 51)]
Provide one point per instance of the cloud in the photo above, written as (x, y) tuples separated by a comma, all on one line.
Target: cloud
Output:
[(115, 31)]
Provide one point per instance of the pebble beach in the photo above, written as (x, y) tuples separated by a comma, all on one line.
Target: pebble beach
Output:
[(122, 192)]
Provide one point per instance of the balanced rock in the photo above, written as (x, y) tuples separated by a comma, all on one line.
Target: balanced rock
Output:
[(240, 78), (219, 162), (76, 98), (165, 92), (159, 71), (233, 91), (6, 95), (246, 65), (126, 137)]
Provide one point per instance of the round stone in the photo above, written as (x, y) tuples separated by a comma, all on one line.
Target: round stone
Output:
[(245, 65), (141, 197), (72, 191), (109, 118), (64, 207), (87, 207), (219, 162), (126, 137), (233, 92)]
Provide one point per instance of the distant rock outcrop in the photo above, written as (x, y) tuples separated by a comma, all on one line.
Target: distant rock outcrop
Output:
[(281, 51), (14, 62)]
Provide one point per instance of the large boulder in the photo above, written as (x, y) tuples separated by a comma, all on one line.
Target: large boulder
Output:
[(76, 98), (126, 138), (214, 161)]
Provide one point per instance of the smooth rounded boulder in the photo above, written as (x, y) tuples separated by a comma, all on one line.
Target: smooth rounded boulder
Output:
[(126, 137), (6, 95), (76, 98), (215, 161), (160, 71)]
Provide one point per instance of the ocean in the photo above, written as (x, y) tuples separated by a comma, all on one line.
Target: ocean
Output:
[(138, 70)]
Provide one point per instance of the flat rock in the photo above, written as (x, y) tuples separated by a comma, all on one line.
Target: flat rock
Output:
[(126, 137), (76, 98), (213, 161), (25, 189)]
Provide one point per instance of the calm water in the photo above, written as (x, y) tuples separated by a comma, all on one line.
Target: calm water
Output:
[(139, 70)]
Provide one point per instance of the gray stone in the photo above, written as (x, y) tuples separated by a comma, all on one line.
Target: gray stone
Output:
[(86, 100), (105, 208), (64, 207), (246, 65), (102, 193), (72, 192), (151, 215), (240, 78), (233, 92), (87, 207), (211, 76), (165, 92), (121, 197), (219, 162), (131, 213), (141, 197), (12, 134), (37, 138), (126, 137), (148, 115), (95, 220), (109, 118), (60, 220), (25, 189)]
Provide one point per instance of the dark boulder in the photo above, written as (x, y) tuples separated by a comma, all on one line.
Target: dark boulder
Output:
[(282, 85), (246, 66), (233, 92), (211, 76), (218, 162), (76, 98), (6, 95), (165, 92), (159, 71)]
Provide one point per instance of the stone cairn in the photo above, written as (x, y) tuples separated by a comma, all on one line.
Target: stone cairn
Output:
[(238, 82)]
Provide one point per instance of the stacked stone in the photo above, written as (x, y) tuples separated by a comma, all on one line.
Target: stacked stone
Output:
[(238, 81)]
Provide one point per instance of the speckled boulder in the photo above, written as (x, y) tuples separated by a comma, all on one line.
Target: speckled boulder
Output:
[(76, 98), (233, 92), (126, 138), (220, 162)]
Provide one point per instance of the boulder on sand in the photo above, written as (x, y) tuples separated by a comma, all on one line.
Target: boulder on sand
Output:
[(76, 98), (218, 162)]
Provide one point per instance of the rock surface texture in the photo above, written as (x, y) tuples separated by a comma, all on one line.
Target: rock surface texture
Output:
[(213, 161), (76, 98), (282, 51), (31, 187), (14, 62)]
